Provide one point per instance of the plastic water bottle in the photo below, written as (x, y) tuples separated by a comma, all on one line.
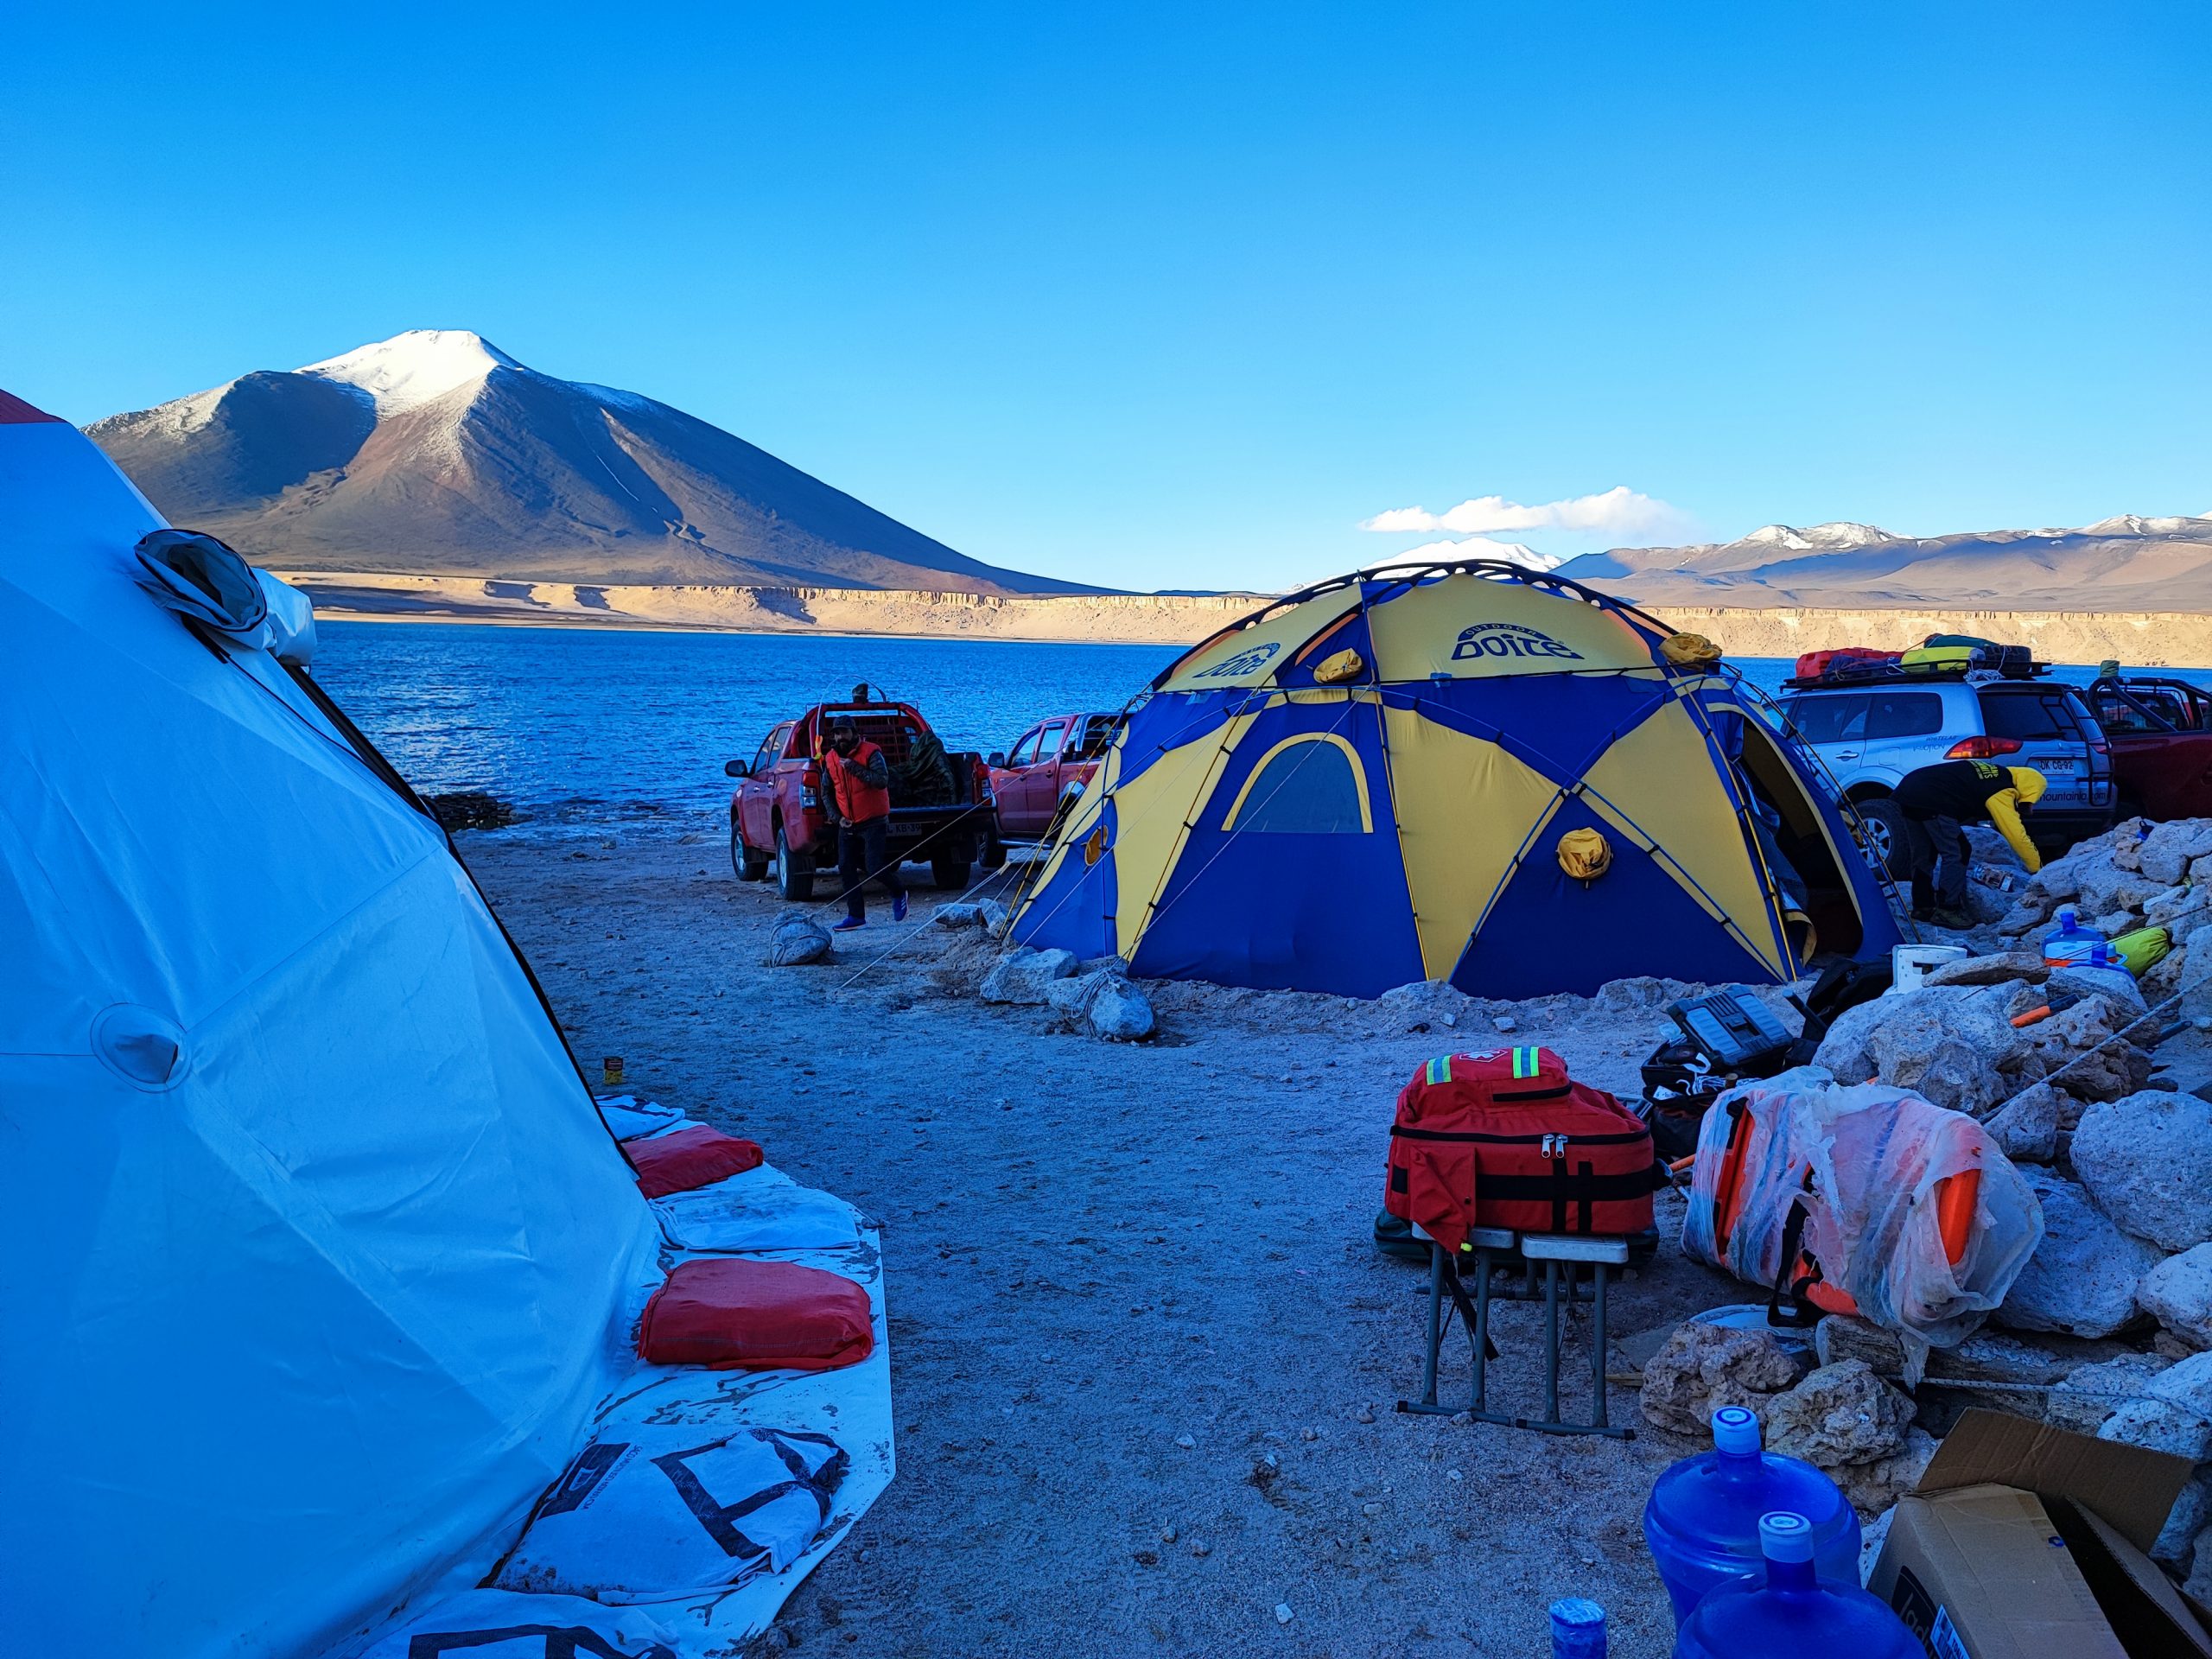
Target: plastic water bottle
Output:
[(2104, 970), (1702, 1522), (1578, 1628), (2070, 944), (1793, 1614)]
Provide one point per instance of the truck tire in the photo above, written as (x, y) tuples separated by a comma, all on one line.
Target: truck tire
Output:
[(1885, 836), (949, 874), (794, 871), (992, 856), (749, 865)]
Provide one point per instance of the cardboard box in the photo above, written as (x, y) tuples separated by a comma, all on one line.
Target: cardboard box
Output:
[(2025, 1542)]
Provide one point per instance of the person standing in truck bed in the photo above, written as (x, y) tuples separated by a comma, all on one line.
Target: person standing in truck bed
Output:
[(860, 793), (1938, 800)]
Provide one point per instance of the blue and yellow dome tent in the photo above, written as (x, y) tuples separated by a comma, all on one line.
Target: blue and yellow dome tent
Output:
[(1369, 783)]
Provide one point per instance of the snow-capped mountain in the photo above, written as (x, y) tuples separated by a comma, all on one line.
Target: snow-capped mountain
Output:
[(1480, 547), (1839, 533), (2122, 564), (435, 453)]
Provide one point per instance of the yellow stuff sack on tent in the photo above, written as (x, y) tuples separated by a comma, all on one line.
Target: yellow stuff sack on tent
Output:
[(1584, 855)]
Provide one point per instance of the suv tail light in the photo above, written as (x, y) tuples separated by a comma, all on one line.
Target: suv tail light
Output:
[(1981, 748)]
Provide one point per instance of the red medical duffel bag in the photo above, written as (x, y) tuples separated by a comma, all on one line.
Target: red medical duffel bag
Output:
[(1506, 1139)]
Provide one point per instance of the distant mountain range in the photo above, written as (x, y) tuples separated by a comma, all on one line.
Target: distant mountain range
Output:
[(435, 453), (2116, 564)]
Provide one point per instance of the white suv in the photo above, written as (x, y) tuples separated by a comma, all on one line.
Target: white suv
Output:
[(1871, 732)]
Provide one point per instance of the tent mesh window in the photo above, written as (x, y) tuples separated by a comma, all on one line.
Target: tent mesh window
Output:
[(1305, 788)]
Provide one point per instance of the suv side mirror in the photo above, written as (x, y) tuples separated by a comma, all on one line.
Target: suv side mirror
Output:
[(736, 769), (996, 757)]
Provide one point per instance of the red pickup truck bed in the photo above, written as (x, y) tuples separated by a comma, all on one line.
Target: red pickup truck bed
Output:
[(940, 800)]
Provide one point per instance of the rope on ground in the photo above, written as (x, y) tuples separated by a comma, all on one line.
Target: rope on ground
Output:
[(899, 945), (2128, 1030)]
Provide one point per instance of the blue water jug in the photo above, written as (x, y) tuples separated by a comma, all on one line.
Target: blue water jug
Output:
[(2070, 944), (1578, 1628), (1793, 1614), (1702, 1522)]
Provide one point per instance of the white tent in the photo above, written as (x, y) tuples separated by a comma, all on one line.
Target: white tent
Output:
[(317, 1255)]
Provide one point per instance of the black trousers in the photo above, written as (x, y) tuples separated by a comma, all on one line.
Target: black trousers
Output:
[(1940, 855), (860, 858)]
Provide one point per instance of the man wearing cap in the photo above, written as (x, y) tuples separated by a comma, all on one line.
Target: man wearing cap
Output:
[(859, 794), (1936, 801)]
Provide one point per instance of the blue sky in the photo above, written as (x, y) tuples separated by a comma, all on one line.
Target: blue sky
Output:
[(1182, 296)]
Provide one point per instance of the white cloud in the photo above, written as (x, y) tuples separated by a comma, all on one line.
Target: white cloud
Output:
[(1617, 512)]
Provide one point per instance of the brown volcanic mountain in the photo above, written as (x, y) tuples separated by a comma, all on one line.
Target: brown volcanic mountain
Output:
[(435, 452)]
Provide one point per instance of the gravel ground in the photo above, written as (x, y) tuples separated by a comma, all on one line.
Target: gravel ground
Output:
[(1145, 1354)]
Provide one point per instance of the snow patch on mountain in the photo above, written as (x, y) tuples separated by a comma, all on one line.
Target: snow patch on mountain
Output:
[(2129, 524), (183, 415), (616, 398), (1482, 547), (1837, 533), (415, 367)]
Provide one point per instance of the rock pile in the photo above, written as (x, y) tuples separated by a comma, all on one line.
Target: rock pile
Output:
[(987, 914), (2136, 874), (1841, 1417), (1093, 997), (1705, 1367), (2107, 1106)]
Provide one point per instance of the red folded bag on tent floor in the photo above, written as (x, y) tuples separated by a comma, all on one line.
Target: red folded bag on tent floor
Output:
[(689, 1158), (730, 1314)]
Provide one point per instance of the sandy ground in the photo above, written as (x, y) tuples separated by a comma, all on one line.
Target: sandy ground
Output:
[(1093, 1252)]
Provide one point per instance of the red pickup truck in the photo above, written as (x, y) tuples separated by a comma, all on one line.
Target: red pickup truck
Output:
[(1037, 781), (940, 800), (2161, 735)]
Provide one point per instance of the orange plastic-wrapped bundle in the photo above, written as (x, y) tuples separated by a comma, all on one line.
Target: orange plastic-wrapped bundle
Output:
[(1867, 1200)]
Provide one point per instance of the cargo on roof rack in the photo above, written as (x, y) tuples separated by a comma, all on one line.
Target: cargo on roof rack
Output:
[(1889, 673)]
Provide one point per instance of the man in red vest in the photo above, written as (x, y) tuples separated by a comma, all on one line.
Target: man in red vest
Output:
[(859, 796)]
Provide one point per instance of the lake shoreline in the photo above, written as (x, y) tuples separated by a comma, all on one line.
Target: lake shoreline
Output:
[(2139, 639)]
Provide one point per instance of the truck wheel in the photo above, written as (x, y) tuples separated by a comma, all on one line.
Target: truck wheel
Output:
[(794, 871), (749, 865), (950, 872), (992, 856), (1887, 838)]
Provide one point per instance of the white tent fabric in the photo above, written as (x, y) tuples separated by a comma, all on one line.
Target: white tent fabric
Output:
[(320, 1260)]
